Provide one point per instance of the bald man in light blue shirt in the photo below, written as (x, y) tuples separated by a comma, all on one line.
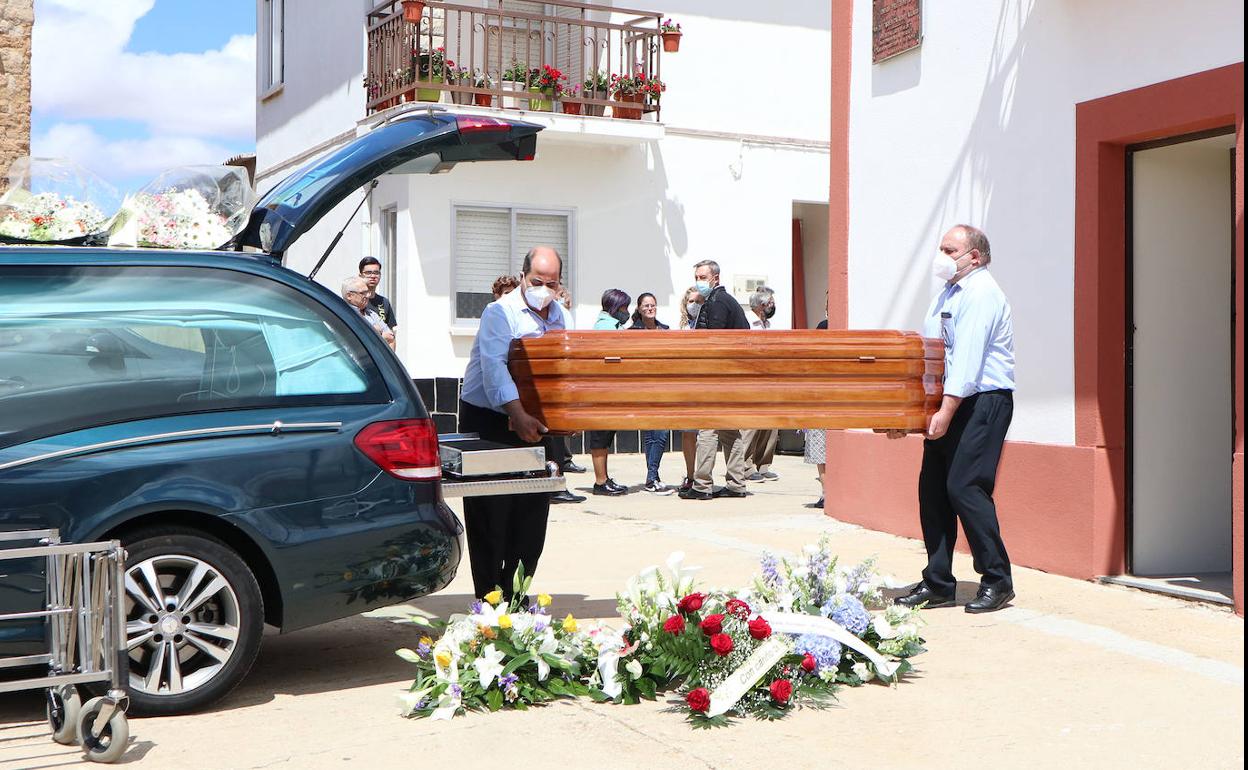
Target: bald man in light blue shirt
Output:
[(965, 436)]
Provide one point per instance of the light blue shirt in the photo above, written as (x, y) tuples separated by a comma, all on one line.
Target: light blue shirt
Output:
[(487, 383), (972, 316)]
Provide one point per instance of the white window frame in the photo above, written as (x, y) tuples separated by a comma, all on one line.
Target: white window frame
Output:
[(388, 249), (470, 325), (271, 82)]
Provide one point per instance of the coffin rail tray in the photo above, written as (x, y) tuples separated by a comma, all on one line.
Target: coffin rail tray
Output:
[(655, 380)]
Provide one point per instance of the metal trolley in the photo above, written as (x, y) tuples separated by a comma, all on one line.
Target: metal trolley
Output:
[(86, 633)]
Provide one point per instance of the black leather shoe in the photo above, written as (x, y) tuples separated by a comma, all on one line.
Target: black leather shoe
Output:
[(694, 494), (612, 483), (571, 467), (921, 594), (989, 599), (567, 496), (610, 489), (729, 492)]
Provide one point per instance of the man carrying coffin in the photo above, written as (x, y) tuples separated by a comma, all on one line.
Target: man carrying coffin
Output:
[(965, 437), (504, 531)]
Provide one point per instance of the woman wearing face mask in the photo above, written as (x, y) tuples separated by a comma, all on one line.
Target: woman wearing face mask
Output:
[(614, 315), (654, 442), (690, 306)]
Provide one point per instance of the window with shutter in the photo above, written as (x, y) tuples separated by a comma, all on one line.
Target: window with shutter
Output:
[(492, 241)]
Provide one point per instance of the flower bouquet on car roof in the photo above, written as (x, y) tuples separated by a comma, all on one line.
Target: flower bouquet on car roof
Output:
[(52, 200), (501, 654), (190, 207)]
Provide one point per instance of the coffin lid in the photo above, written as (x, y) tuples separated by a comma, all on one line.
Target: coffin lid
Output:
[(425, 142)]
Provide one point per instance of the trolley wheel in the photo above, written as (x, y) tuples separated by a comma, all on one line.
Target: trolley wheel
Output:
[(109, 743), (64, 706)]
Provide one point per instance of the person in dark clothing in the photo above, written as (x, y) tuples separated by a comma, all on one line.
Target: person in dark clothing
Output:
[(719, 311), (370, 271)]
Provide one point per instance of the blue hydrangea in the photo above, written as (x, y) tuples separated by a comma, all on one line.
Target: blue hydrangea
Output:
[(846, 610), (771, 570), (826, 651)]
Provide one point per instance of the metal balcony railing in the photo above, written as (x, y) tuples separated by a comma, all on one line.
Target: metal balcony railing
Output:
[(507, 54)]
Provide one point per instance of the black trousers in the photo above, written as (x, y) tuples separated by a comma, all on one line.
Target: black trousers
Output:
[(557, 449), (956, 483), (504, 531)]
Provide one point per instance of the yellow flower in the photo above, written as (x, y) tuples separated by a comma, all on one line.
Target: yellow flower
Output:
[(443, 658), (504, 621), (494, 597), (543, 600), (569, 624), (426, 641)]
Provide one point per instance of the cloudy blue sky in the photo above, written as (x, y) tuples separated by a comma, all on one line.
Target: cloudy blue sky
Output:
[(128, 88)]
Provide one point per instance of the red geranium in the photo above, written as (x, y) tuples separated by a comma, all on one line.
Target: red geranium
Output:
[(712, 624), (781, 691), (759, 628), (809, 664), (738, 609), (674, 625), (721, 644), (691, 603), (699, 700)]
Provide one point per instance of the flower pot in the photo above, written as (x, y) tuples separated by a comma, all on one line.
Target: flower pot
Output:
[(430, 94), (571, 108), (627, 113), (597, 110), (545, 104), (461, 97), (413, 10), (510, 102), (483, 100), (671, 42)]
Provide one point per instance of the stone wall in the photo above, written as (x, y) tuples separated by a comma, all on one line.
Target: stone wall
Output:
[(16, 19)]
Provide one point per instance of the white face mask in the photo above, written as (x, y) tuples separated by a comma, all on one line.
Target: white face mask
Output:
[(692, 309), (945, 267), (538, 296)]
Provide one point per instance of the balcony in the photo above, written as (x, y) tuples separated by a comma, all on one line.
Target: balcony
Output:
[(507, 54)]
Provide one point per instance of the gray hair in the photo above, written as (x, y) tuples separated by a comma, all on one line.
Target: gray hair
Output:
[(353, 283), (976, 240), (712, 264), (762, 296)]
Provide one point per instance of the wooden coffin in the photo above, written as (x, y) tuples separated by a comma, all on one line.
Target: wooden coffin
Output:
[(632, 379)]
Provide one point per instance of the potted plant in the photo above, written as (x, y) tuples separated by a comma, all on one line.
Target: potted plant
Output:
[(634, 89), (413, 10), (548, 82), (431, 67), (671, 36), (514, 78), (482, 80), (571, 108), (461, 76), (595, 87)]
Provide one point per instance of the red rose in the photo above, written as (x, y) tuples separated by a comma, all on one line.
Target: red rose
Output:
[(712, 624), (674, 625), (781, 691), (699, 700), (809, 664), (721, 644), (759, 628), (738, 609), (691, 603)]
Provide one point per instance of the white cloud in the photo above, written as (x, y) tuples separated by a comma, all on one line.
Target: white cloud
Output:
[(126, 160), (81, 71)]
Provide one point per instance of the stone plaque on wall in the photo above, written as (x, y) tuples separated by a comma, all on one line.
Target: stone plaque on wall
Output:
[(896, 27)]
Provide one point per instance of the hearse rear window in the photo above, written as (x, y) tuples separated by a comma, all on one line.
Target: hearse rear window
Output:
[(84, 346)]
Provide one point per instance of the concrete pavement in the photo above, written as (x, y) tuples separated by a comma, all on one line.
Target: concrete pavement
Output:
[(1074, 675)]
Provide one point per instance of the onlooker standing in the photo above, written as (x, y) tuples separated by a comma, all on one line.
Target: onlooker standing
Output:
[(614, 314), (690, 306), (760, 444), (966, 435), (719, 311), (355, 292), (504, 531), (370, 271), (556, 446), (654, 442)]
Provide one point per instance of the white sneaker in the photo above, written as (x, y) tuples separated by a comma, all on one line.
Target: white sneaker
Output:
[(657, 487)]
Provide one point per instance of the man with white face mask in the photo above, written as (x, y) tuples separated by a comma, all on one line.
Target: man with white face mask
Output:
[(965, 437), (504, 531)]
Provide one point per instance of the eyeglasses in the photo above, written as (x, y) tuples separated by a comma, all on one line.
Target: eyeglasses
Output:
[(371, 272)]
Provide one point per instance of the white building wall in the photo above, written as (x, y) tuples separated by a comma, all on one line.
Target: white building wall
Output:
[(978, 126)]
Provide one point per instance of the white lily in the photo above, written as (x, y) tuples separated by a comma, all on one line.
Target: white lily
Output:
[(608, 665), (448, 704), (682, 576), (523, 622), (864, 671), (883, 627), (489, 614), (549, 646), (408, 700), (907, 629), (633, 667), (489, 664)]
